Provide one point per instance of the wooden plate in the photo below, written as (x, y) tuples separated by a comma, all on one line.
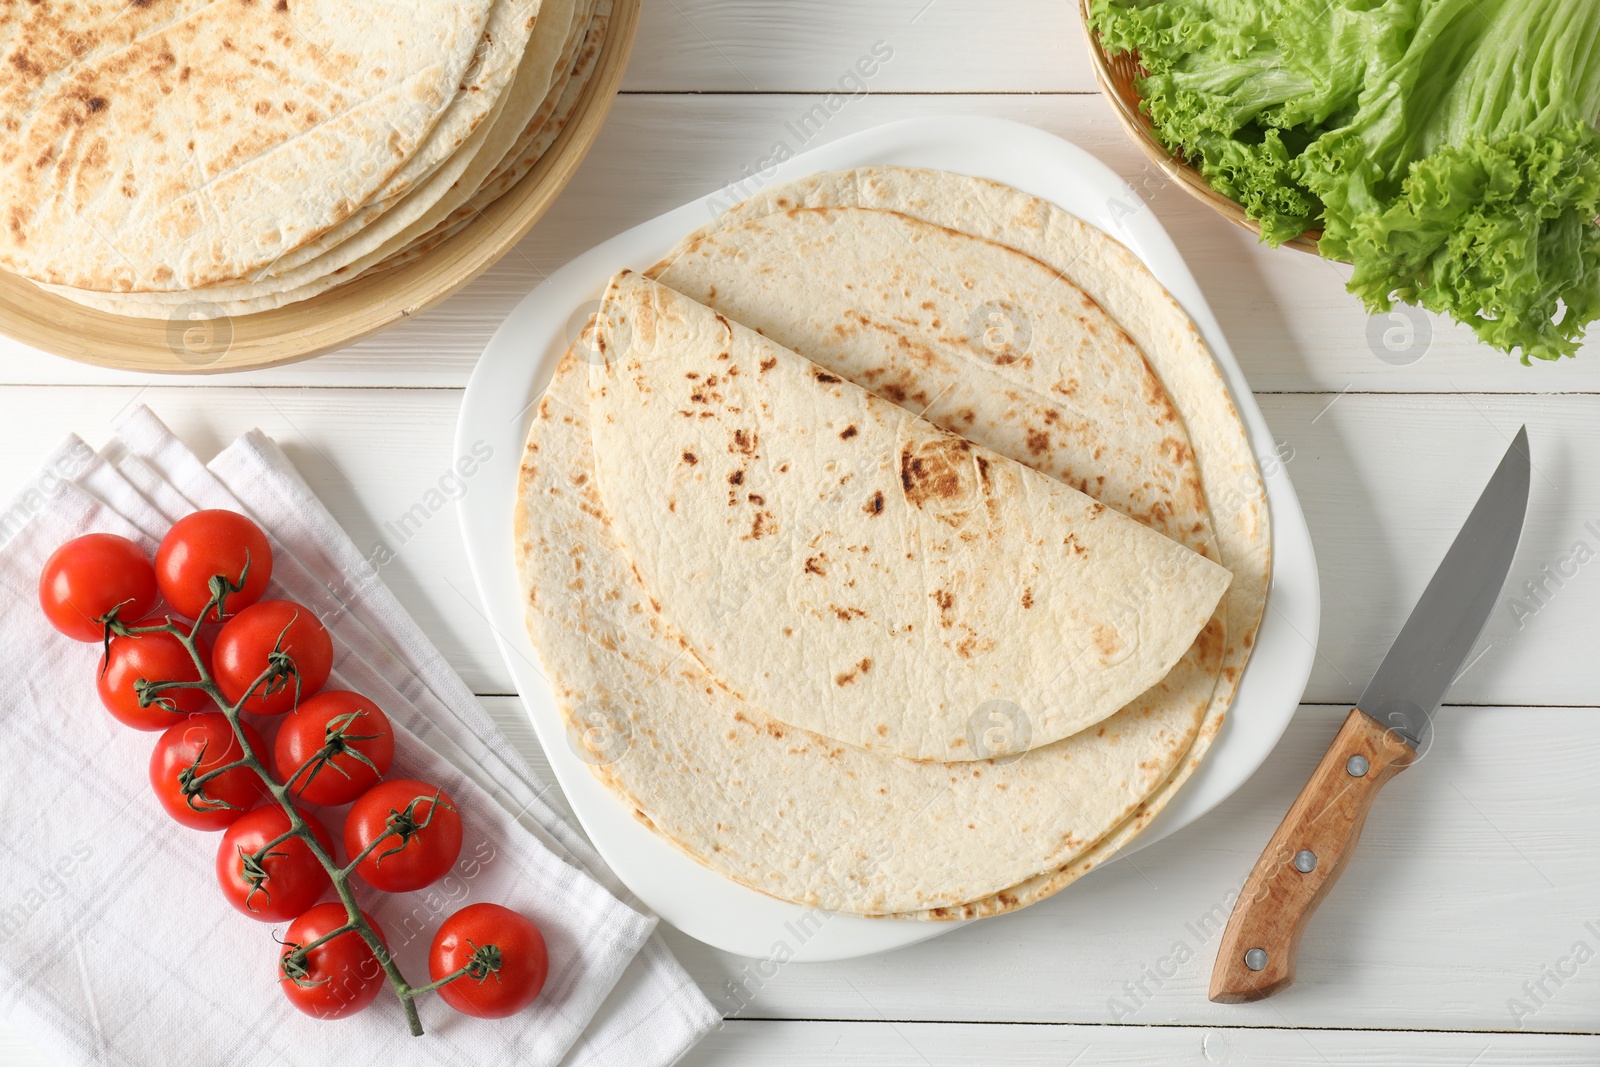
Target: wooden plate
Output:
[(194, 344), (1116, 77)]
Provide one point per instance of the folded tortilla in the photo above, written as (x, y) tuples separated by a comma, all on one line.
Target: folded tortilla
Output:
[(854, 570)]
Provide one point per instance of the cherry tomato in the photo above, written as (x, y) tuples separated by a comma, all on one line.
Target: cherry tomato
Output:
[(358, 740), (157, 657), (91, 576), (208, 739), (337, 978), (287, 881), (428, 842), (208, 544), (245, 647), (505, 956)]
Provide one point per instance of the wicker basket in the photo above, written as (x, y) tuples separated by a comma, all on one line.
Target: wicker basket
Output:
[(1116, 78)]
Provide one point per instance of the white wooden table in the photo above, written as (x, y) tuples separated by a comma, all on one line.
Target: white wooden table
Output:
[(1467, 929)]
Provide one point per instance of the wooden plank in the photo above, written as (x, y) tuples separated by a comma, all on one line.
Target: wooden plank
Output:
[(1385, 482), (1285, 313), (1464, 908), (846, 1044), (780, 1044), (741, 46)]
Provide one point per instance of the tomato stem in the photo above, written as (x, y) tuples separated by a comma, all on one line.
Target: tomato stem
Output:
[(280, 668)]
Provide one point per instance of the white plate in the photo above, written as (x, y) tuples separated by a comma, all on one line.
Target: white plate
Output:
[(521, 358)]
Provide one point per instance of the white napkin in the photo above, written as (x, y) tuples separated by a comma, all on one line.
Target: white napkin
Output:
[(115, 945)]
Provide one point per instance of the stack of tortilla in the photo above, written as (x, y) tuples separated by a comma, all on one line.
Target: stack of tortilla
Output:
[(251, 155), (893, 546)]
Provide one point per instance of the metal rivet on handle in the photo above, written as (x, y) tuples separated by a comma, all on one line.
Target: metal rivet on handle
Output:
[(1305, 861), (1357, 766), (1255, 959)]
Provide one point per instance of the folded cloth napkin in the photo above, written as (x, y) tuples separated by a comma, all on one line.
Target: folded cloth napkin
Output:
[(115, 946)]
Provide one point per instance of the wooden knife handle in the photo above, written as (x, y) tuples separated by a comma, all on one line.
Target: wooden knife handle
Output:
[(1303, 860)]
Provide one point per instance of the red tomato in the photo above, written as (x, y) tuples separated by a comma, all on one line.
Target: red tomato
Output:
[(193, 747), (426, 844), (283, 884), (348, 736), (154, 657), (273, 630), (504, 955), (207, 545), (337, 978), (91, 576)]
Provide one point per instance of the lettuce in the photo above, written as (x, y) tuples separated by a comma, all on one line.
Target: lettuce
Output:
[(1446, 148)]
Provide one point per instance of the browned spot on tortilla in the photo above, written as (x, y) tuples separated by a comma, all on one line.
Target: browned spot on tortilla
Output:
[(1038, 442), (744, 441), (756, 499), (736, 478), (1027, 598), (853, 673), (933, 471), (814, 566), (847, 433), (768, 363), (690, 458), (874, 506), (1158, 396), (1107, 640), (849, 614), (945, 600), (827, 379)]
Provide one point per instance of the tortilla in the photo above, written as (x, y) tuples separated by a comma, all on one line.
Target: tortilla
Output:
[(854, 570), (396, 225), (1116, 280), (779, 809), (147, 146), (499, 57), (547, 124), (1121, 284)]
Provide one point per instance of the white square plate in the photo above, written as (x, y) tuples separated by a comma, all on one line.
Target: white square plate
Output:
[(521, 358)]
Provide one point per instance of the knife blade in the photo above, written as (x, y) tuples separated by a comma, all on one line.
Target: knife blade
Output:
[(1390, 727), (1450, 616)]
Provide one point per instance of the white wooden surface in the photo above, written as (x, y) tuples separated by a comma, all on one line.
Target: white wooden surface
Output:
[(1454, 937)]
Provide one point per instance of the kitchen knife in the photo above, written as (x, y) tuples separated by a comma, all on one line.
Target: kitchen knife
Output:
[(1388, 729)]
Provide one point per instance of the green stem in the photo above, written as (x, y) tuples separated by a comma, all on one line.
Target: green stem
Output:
[(446, 980), (340, 876)]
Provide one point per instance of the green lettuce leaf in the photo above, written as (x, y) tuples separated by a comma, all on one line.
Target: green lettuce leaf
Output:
[(1446, 148)]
